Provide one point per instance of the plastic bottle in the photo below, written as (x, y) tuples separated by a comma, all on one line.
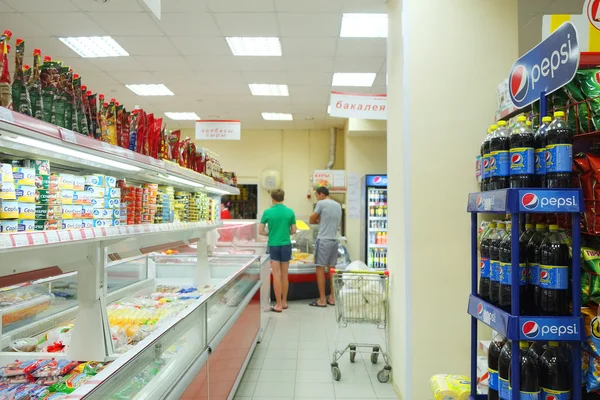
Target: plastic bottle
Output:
[(503, 366), (536, 350), (493, 357), (500, 157), (555, 374), (496, 239), (533, 266), (521, 155), (559, 154), (485, 270), (539, 140), (504, 296), (529, 380), (485, 159), (523, 241), (554, 274)]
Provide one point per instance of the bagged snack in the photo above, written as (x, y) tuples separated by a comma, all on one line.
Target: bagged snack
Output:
[(119, 123), (141, 132), (93, 107), (591, 264), (156, 137), (148, 135), (35, 86), (55, 368), (90, 368), (133, 128), (79, 114), (21, 368), (28, 391), (111, 122), (49, 78), (20, 94), (126, 123), (100, 110), (5, 96), (54, 396), (589, 81), (103, 121), (70, 382), (69, 97), (174, 146)]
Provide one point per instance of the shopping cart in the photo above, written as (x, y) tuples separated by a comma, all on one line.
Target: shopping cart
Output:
[(361, 297)]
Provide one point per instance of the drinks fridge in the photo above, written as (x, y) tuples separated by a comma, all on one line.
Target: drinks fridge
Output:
[(374, 221)]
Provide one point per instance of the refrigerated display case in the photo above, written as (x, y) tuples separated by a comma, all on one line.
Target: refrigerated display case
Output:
[(374, 221), (240, 237)]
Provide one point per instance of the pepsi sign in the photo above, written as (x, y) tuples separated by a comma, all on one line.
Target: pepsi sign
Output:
[(565, 328), (377, 180), (549, 201), (545, 68)]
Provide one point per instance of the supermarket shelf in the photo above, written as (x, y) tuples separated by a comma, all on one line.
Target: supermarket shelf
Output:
[(534, 200), (526, 328), (27, 137), (378, 230), (378, 246), (378, 218), (378, 204)]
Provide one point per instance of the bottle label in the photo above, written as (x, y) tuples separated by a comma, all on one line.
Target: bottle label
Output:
[(485, 169), (554, 277), (522, 161), (540, 161), (493, 379), (503, 389), (506, 274), (556, 394), (559, 158), (499, 163), (528, 395), (495, 270), (485, 268), (534, 274)]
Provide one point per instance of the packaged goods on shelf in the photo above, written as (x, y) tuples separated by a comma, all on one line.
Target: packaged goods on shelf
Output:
[(450, 387)]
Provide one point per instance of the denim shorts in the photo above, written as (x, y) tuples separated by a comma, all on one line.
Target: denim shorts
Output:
[(281, 253)]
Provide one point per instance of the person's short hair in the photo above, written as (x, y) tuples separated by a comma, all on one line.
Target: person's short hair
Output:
[(278, 195), (323, 190)]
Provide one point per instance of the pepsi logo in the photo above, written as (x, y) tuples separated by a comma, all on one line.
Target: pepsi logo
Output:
[(517, 159), (479, 201), (530, 329), (551, 397), (480, 309), (544, 275), (486, 163), (530, 201), (537, 159), (481, 265), (519, 83), (593, 12), (524, 273), (492, 161), (548, 156), (377, 179)]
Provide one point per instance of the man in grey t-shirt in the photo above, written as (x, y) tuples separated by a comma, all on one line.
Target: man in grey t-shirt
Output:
[(328, 214)]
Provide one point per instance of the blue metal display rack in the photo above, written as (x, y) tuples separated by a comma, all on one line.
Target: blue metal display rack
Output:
[(512, 325)]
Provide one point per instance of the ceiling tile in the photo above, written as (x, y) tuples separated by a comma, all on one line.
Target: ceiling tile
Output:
[(358, 64), (184, 6), (49, 46), (164, 63), (147, 46), (366, 6), (222, 78), (309, 6), (38, 6), (259, 63), (109, 6), (127, 24), (133, 77), (189, 24), (309, 78), (191, 46), (277, 78), (309, 64), (310, 25), (218, 63), (114, 64), (66, 24), (4, 8), (21, 26), (96, 81), (79, 65), (250, 6), (298, 92), (364, 47), (248, 24), (314, 47), (171, 78)]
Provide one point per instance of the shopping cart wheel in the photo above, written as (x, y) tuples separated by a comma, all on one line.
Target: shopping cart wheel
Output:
[(335, 370), (352, 353), (383, 376), (375, 355)]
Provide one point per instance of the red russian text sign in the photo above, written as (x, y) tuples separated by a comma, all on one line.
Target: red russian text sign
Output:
[(357, 105), (218, 130)]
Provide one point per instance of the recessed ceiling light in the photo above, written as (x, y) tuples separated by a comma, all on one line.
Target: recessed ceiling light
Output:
[(150, 90), (96, 46), (263, 89), (277, 117), (364, 25), (254, 46), (353, 79), (183, 116)]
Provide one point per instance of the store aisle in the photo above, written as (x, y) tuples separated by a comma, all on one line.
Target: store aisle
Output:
[(293, 360)]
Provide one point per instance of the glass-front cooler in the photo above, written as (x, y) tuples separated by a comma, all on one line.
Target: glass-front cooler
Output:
[(163, 329), (240, 237)]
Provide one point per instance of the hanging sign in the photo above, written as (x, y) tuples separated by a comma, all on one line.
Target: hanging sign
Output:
[(587, 24), (218, 130), (332, 179), (545, 68), (358, 105)]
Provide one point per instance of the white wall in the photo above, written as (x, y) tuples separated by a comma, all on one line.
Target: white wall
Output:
[(443, 70)]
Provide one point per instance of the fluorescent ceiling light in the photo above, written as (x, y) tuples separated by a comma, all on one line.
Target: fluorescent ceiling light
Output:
[(263, 89), (183, 116), (254, 46), (277, 117), (150, 90), (85, 157), (364, 26), (184, 181), (353, 79), (95, 46)]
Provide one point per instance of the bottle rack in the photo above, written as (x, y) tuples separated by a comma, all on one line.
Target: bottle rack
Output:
[(512, 325)]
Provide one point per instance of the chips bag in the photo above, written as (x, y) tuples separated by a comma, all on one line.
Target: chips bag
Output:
[(5, 96), (111, 122), (70, 382), (93, 107), (20, 94), (35, 86), (103, 121), (589, 81), (79, 114), (119, 123), (148, 135), (126, 129), (174, 146), (133, 129)]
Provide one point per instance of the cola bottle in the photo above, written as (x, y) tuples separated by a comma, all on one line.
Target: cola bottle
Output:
[(522, 159), (554, 274), (555, 374), (506, 271), (485, 159), (533, 266), (495, 241), (529, 380), (559, 153), (503, 366), (485, 272), (493, 358), (500, 158)]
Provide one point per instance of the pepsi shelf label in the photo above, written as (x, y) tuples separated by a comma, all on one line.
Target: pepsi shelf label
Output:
[(489, 315), (377, 180), (545, 68), (494, 201), (550, 201), (550, 328)]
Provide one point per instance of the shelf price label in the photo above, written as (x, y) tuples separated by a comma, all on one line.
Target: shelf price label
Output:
[(52, 237), (20, 240), (38, 238), (68, 135), (64, 236), (5, 242)]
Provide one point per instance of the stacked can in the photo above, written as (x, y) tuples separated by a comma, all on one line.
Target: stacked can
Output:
[(182, 203), (194, 207), (105, 200), (164, 205), (48, 196), (212, 209), (202, 199), (25, 191), (131, 200), (71, 214), (9, 211), (149, 202)]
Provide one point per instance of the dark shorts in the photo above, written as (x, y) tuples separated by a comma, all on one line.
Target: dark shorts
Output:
[(281, 253), (326, 252)]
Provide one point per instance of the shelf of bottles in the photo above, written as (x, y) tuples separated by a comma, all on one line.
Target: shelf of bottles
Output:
[(378, 227), (510, 312)]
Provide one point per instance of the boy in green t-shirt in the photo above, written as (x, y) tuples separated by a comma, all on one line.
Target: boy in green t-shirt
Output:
[(281, 221)]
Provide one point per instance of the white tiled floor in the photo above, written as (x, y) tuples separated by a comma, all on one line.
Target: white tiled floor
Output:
[(293, 360)]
